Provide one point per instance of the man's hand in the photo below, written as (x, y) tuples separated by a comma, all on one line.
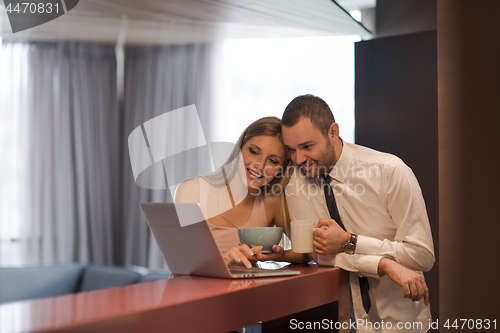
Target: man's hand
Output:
[(330, 240), (413, 284)]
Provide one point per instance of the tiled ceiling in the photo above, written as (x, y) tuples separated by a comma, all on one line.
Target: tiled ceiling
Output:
[(188, 21)]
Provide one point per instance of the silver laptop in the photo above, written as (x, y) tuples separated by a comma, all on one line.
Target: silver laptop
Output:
[(191, 249)]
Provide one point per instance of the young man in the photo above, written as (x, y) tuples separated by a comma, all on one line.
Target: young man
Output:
[(373, 215)]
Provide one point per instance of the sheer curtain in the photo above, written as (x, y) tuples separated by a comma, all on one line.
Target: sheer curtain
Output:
[(71, 127), (13, 151), (157, 80), (66, 184)]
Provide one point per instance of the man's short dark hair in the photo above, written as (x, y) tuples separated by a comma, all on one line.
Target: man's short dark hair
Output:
[(309, 106)]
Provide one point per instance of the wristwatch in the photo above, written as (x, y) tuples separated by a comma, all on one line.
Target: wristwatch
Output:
[(350, 246)]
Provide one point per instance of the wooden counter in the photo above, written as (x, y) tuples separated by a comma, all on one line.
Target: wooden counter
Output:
[(182, 304)]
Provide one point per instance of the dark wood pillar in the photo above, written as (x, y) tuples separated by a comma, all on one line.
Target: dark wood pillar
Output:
[(469, 163)]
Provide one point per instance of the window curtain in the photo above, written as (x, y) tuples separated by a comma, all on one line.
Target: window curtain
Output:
[(158, 79), (66, 175), (13, 151), (71, 127)]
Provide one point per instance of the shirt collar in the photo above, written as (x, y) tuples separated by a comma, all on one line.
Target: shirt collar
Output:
[(341, 168)]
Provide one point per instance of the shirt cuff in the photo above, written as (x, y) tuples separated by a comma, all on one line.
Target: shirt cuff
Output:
[(323, 260), (368, 266), (368, 245)]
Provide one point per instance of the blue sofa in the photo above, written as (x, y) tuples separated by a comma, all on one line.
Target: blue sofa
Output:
[(22, 283)]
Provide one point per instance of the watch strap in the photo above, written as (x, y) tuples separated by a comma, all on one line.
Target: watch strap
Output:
[(350, 246), (354, 239)]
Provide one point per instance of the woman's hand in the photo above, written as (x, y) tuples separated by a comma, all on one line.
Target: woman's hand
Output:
[(243, 254), (277, 255)]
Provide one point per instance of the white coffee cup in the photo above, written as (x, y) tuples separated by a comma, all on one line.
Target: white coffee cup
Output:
[(302, 236)]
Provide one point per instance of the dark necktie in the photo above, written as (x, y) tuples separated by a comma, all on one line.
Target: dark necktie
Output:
[(334, 214)]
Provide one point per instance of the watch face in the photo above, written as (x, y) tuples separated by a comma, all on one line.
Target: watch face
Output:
[(349, 248)]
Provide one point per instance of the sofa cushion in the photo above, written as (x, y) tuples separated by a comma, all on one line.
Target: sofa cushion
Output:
[(23, 283), (99, 277)]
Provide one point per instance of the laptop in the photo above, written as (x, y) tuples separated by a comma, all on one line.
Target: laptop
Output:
[(191, 249)]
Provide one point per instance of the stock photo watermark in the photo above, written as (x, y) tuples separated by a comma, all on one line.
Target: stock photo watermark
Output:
[(26, 14), (457, 324), (171, 148)]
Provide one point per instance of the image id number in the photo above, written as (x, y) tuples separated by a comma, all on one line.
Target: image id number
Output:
[(33, 8), (471, 324)]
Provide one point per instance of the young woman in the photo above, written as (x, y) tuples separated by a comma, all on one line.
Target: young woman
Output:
[(247, 191)]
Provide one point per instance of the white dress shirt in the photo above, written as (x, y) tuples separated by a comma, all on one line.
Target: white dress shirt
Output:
[(378, 198)]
